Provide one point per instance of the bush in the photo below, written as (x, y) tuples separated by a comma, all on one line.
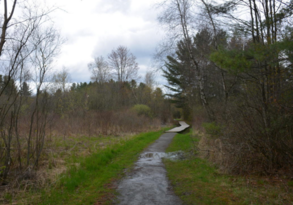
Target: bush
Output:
[(212, 129), (141, 109)]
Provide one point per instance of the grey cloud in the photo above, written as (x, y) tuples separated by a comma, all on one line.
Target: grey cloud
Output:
[(72, 37), (141, 43), (79, 72), (110, 6), (83, 33)]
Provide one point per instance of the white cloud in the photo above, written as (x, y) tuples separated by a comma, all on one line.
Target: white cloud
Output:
[(94, 28)]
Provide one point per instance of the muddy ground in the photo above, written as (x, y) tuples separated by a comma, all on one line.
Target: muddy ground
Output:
[(147, 184)]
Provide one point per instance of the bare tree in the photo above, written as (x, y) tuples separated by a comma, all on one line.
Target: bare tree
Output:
[(5, 23), (240, 86), (150, 79), (100, 70), (61, 80), (15, 51), (123, 64), (47, 43), (177, 18)]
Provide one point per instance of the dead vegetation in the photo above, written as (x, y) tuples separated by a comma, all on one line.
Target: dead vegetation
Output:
[(245, 151), (62, 147), (198, 181), (236, 157), (68, 137)]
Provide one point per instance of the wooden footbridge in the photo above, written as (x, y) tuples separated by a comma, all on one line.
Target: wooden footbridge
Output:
[(183, 126)]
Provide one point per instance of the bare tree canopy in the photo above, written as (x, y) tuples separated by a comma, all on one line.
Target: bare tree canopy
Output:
[(150, 79), (100, 70), (28, 45), (5, 22), (61, 80), (123, 63), (239, 54)]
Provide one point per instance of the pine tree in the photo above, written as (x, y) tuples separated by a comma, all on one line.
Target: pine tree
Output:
[(25, 90), (9, 86), (181, 78)]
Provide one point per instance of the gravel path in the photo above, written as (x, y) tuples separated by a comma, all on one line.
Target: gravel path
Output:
[(147, 184)]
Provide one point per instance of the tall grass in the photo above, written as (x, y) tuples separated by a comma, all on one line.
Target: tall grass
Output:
[(89, 181), (196, 181)]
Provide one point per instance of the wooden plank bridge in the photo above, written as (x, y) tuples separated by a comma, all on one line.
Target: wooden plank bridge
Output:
[(183, 126)]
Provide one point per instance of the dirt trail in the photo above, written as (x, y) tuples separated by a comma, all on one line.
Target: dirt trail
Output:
[(147, 184)]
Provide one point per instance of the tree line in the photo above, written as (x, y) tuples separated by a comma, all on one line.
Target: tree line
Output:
[(238, 70), (113, 103)]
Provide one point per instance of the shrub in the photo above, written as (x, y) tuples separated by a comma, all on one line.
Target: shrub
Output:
[(141, 109), (212, 129)]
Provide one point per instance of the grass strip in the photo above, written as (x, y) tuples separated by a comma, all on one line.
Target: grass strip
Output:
[(196, 181), (90, 182), (193, 179)]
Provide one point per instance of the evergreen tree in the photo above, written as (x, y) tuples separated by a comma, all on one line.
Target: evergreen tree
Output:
[(73, 87), (180, 76), (9, 86), (25, 90)]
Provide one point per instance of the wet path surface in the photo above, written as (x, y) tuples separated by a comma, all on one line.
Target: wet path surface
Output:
[(147, 184)]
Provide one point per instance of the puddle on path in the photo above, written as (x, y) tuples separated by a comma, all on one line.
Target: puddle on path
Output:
[(147, 184), (159, 155)]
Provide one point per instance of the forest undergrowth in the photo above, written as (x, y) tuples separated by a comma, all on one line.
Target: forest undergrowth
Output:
[(198, 181)]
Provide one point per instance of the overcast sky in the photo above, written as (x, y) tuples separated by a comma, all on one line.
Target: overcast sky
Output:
[(95, 27)]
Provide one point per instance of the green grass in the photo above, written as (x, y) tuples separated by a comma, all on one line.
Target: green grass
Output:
[(196, 181), (91, 181), (182, 142), (193, 179)]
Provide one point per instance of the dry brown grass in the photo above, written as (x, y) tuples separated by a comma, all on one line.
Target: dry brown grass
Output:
[(103, 123), (57, 156), (197, 181), (66, 140)]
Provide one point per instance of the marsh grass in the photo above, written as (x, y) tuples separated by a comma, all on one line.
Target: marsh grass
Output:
[(90, 179), (60, 154), (196, 181)]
